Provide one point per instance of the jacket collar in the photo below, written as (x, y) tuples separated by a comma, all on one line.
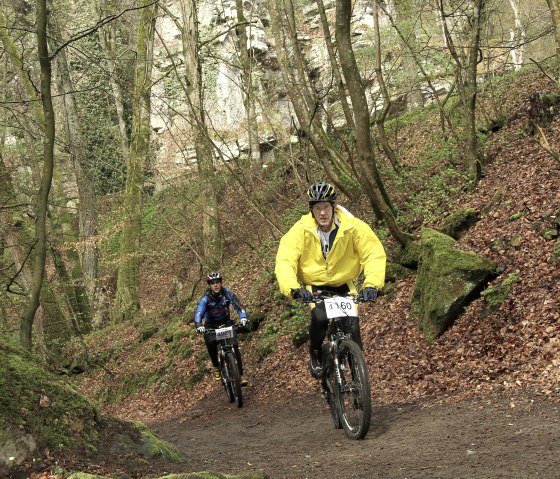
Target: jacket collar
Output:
[(343, 214)]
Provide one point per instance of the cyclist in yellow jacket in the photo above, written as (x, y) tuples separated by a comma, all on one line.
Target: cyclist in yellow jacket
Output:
[(327, 249)]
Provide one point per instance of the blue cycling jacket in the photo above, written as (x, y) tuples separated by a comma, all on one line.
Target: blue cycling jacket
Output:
[(215, 309)]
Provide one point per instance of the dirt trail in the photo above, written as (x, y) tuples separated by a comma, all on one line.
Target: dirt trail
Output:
[(482, 438)]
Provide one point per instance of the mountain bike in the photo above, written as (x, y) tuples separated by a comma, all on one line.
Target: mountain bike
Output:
[(229, 369), (345, 380)]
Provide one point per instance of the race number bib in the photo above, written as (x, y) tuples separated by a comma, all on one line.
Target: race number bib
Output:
[(224, 333), (340, 306)]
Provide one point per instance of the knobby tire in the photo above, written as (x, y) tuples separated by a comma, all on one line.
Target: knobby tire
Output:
[(329, 385), (353, 397), (226, 381), (234, 378)]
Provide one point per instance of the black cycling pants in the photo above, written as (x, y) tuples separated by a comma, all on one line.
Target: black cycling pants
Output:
[(319, 325), (319, 321)]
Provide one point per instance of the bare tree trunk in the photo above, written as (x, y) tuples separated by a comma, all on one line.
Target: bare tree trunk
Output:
[(107, 40), (380, 119), (466, 71), (26, 325), (517, 37), (127, 300), (340, 171), (366, 159), (247, 86), (554, 6), (87, 213), (211, 231), (342, 91)]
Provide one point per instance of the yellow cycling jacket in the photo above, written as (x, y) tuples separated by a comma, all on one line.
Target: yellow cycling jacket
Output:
[(356, 248)]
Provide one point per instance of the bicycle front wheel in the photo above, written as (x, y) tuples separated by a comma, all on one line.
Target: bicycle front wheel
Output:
[(353, 394), (234, 378), (329, 385)]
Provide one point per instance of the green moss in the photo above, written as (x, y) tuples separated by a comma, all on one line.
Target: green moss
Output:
[(458, 221), (516, 216), (448, 279), (147, 333), (153, 447), (42, 404), (495, 296)]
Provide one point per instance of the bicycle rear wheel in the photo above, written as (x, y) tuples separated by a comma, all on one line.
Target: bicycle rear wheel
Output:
[(234, 378), (329, 385), (353, 395)]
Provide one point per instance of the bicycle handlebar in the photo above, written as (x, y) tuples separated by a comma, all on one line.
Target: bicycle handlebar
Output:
[(210, 330), (319, 296)]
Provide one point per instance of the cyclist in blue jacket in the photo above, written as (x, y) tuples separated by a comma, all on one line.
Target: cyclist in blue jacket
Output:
[(213, 310)]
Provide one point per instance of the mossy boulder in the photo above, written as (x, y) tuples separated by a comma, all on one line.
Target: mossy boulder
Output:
[(448, 280), (39, 409), (459, 221), (409, 256), (497, 295)]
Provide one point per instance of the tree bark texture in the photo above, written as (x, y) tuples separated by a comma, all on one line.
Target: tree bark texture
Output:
[(28, 315), (369, 176), (127, 300), (211, 230)]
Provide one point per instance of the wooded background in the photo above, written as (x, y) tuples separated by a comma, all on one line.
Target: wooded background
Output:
[(108, 104)]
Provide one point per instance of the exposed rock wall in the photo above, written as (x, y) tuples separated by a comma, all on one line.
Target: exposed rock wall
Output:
[(223, 94)]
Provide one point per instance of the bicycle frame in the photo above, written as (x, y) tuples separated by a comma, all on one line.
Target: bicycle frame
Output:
[(227, 359), (345, 378)]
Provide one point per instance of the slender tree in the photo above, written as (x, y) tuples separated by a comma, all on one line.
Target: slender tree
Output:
[(211, 231), (467, 30), (246, 70), (554, 6), (304, 99), (127, 300), (26, 325), (369, 176)]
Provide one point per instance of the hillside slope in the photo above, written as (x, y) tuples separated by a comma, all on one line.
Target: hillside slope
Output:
[(512, 349)]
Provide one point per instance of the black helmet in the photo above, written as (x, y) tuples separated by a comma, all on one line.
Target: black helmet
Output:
[(214, 276), (321, 191)]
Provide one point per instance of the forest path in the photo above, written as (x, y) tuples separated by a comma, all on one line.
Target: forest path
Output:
[(479, 438)]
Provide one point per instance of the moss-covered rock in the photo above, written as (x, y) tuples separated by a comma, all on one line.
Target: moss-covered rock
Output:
[(448, 280), (456, 223), (409, 256), (39, 409), (152, 447), (495, 296)]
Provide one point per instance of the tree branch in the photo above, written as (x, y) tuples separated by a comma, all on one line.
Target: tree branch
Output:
[(97, 26)]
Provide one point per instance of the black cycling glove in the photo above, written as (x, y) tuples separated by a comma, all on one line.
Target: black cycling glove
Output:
[(369, 293), (302, 294)]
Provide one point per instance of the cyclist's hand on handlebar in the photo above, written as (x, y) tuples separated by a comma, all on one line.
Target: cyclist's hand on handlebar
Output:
[(369, 293), (243, 321), (200, 329), (302, 294)]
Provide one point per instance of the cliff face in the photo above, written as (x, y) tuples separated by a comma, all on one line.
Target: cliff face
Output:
[(223, 82)]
